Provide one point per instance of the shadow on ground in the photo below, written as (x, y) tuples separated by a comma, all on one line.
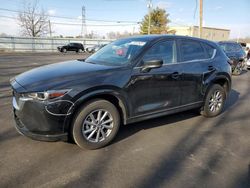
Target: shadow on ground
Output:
[(170, 164)]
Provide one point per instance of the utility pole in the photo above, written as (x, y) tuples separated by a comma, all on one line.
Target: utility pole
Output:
[(50, 32), (201, 17), (149, 5), (83, 30)]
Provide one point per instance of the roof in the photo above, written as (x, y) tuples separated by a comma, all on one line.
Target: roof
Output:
[(158, 37)]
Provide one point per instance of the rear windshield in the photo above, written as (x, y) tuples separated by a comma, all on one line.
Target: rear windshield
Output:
[(230, 47)]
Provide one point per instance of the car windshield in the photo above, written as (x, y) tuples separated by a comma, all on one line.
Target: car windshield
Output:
[(227, 47), (118, 53)]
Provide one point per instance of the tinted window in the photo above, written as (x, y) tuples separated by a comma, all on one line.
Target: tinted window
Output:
[(192, 50), (209, 50), (163, 50), (230, 47)]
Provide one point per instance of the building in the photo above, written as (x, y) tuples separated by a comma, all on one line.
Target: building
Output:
[(210, 33)]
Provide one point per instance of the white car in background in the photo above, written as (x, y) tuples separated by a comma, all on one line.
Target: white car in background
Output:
[(248, 60), (248, 64)]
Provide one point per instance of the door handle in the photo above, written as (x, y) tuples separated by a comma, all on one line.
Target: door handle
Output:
[(176, 75)]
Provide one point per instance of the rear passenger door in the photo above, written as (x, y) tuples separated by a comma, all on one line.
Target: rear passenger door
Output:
[(197, 64)]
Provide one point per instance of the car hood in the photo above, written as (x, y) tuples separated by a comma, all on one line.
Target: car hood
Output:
[(60, 75)]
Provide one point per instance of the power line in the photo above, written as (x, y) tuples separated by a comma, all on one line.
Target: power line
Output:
[(71, 18), (95, 25), (78, 24)]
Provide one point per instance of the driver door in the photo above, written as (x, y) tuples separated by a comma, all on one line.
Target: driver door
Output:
[(159, 88)]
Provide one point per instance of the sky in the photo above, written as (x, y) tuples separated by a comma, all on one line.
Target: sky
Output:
[(123, 15)]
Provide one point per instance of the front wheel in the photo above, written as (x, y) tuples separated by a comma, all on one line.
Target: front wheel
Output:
[(214, 101), (96, 124)]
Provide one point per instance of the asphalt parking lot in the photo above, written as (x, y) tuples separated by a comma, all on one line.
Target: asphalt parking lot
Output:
[(181, 150)]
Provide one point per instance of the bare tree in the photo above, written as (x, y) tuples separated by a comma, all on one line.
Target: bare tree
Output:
[(33, 20)]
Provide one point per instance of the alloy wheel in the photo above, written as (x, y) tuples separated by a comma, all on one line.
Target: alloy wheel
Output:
[(97, 125), (215, 102)]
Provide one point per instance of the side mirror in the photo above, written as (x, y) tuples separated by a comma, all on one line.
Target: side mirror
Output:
[(151, 64)]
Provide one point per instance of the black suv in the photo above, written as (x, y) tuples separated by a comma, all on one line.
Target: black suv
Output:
[(237, 55), (127, 81), (77, 47)]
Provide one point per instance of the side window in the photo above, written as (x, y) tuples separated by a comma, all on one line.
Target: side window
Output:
[(162, 50), (209, 50), (192, 50)]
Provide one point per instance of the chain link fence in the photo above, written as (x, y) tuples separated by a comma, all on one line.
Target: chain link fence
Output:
[(24, 44)]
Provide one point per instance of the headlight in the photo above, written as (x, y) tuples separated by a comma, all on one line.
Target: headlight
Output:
[(42, 96)]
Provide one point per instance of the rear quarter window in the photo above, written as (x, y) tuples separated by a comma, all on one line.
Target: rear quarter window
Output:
[(210, 50)]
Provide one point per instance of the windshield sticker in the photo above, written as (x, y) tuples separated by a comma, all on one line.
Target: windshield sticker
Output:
[(137, 43)]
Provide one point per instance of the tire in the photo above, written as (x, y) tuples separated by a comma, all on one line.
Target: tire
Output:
[(79, 51), (64, 50), (85, 122), (237, 70), (208, 110)]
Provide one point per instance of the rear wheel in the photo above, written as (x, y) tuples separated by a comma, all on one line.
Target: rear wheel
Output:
[(214, 101), (96, 124)]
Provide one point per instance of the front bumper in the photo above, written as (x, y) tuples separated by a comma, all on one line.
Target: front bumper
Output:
[(38, 136), (40, 120)]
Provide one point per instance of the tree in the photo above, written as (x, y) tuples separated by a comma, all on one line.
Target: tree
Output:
[(159, 22), (33, 21)]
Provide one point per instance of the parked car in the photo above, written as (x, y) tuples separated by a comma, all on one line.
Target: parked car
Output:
[(248, 64), (237, 55), (95, 48), (77, 47), (127, 81), (248, 57)]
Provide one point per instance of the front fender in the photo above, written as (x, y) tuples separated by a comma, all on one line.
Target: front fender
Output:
[(91, 93)]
